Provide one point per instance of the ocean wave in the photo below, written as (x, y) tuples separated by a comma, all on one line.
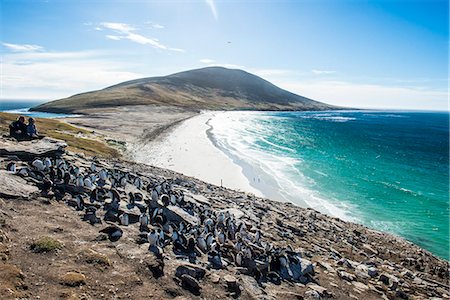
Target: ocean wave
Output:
[(230, 132)]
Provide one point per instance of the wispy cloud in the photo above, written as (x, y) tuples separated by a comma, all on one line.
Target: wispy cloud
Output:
[(125, 31), (322, 72), (212, 6), (154, 25), (207, 61), (22, 47), (51, 75)]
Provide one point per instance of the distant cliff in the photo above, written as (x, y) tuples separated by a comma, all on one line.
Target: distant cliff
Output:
[(207, 88)]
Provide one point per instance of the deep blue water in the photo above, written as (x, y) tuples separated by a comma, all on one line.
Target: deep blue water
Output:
[(388, 170), (21, 107)]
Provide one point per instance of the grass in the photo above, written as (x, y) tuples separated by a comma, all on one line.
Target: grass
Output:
[(93, 257), (73, 279), (87, 143), (46, 244)]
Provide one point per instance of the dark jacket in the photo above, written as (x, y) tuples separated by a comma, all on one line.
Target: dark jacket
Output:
[(17, 128)]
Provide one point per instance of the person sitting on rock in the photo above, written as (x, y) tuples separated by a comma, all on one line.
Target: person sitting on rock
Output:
[(32, 130), (18, 128)]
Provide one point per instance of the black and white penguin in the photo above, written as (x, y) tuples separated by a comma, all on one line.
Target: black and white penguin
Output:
[(38, 165), (124, 219), (11, 167), (114, 233)]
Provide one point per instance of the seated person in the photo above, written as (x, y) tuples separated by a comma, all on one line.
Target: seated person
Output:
[(32, 130), (18, 128)]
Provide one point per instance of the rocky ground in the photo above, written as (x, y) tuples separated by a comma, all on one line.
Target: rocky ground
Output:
[(48, 252)]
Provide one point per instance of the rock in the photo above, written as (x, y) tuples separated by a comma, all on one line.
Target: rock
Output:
[(234, 211), (250, 285), (73, 279), (370, 249), (360, 286), (214, 278), (14, 186), (191, 270), (346, 276), (311, 294), (154, 264), (389, 280), (323, 292), (231, 282), (29, 150), (177, 214), (190, 283)]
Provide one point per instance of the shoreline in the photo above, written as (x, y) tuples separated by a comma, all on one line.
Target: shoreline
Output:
[(187, 141)]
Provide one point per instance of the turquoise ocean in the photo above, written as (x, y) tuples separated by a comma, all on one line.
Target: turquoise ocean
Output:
[(388, 170)]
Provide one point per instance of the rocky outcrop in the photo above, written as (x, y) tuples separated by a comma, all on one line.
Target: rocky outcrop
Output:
[(29, 150)]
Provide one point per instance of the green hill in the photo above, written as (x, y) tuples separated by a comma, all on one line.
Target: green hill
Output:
[(207, 88)]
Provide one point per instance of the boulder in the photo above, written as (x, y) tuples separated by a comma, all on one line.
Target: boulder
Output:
[(191, 270), (177, 214), (190, 283), (14, 186), (29, 150)]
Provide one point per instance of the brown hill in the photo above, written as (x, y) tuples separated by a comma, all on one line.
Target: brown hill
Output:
[(207, 88)]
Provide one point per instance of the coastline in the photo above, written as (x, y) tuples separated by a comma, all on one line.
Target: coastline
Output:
[(188, 142)]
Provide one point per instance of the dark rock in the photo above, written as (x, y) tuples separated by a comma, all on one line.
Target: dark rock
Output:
[(190, 283), (191, 270)]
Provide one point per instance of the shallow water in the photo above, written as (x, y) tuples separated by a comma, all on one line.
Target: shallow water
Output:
[(385, 169)]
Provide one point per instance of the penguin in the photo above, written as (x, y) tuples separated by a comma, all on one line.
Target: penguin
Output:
[(165, 199), (38, 165), (143, 219), (201, 243), (114, 233), (152, 237), (47, 163), (90, 216), (88, 183), (11, 167), (80, 202), (138, 182), (103, 175), (80, 181), (124, 219), (239, 258), (154, 195), (24, 172), (93, 167), (215, 260)]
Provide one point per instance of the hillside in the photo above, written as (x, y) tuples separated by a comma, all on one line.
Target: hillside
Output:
[(207, 88), (55, 245)]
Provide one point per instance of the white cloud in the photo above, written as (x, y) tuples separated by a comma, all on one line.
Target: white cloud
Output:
[(127, 32), (322, 72), (368, 95), (120, 27), (22, 47), (154, 25), (206, 61), (213, 8), (51, 75), (113, 37)]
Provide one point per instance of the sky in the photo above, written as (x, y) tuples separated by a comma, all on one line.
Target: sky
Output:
[(355, 53)]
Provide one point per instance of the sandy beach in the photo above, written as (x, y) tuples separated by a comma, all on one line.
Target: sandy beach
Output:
[(187, 143)]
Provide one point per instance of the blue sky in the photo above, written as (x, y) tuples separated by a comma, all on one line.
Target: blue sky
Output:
[(386, 54)]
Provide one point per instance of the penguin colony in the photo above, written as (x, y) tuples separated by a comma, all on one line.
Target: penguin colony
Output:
[(213, 237)]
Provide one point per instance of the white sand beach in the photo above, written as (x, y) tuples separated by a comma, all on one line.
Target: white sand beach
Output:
[(188, 150)]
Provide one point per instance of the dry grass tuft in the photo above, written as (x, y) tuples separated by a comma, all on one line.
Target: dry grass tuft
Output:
[(46, 244), (94, 257), (73, 279)]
